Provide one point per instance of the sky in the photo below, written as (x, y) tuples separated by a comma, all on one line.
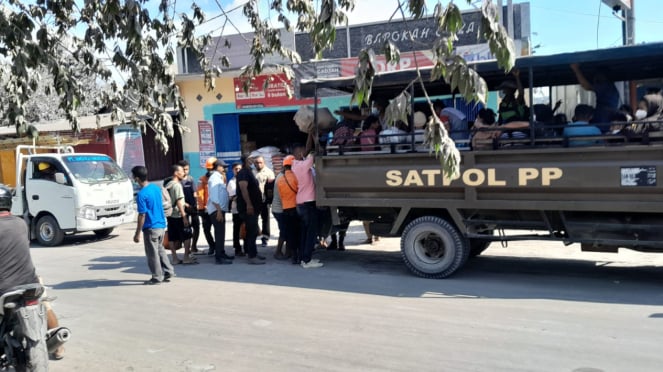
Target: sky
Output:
[(557, 26)]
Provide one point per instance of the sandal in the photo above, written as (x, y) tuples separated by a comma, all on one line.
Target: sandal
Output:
[(189, 262), (178, 262), (367, 241)]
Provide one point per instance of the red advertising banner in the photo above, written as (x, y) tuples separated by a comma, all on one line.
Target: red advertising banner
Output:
[(266, 91)]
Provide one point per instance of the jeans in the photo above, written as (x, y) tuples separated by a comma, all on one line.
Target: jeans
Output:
[(251, 223), (157, 259), (308, 215), (219, 236)]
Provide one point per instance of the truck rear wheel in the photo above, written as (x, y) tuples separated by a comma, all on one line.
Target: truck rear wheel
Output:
[(433, 248), (103, 232), (49, 232)]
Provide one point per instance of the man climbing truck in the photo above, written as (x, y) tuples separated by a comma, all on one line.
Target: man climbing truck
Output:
[(605, 195)]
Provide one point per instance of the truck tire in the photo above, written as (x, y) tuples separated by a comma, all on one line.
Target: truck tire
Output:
[(433, 248), (48, 231), (103, 232)]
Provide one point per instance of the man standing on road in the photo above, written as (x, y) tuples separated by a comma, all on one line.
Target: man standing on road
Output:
[(202, 197), (306, 208), (217, 206), (178, 220), (249, 201), (264, 175), (237, 220), (152, 222), (190, 204)]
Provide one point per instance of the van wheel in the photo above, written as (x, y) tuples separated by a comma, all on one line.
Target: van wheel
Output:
[(103, 232), (49, 232), (433, 248)]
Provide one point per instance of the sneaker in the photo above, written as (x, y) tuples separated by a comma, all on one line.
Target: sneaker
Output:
[(239, 254), (225, 256), (152, 281), (166, 278), (264, 242), (256, 261), (311, 264), (223, 261), (260, 257), (210, 252)]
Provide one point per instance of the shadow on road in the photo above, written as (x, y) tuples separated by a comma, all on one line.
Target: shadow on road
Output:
[(74, 240), (383, 273), (79, 284)]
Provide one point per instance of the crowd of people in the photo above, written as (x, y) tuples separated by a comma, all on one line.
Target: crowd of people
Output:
[(247, 196), (368, 131)]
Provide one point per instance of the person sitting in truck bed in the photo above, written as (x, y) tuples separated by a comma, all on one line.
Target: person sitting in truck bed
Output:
[(581, 127), (368, 137), (649, 112)]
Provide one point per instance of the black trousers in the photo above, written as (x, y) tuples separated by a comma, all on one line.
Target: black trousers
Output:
[(207, 228), (264, 217), (237, 224)]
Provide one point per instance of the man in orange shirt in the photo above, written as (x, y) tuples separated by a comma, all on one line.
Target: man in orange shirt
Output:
[(286, 182), (202, 195)]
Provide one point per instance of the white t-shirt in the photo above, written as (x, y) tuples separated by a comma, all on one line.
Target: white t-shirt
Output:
[(232, 192)]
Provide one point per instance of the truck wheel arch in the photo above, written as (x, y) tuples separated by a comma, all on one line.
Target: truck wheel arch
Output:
[(432, 247)]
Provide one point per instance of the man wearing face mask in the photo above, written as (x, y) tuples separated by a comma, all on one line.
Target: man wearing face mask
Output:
[(650, 110)]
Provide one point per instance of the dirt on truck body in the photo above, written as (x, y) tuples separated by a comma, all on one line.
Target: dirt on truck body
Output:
[(603, 196)]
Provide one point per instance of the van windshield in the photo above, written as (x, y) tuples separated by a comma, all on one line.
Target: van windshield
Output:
[(94, 168)]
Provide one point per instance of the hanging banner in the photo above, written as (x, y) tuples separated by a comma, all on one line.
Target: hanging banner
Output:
[(129, 147), (206, 144), (266, 91)]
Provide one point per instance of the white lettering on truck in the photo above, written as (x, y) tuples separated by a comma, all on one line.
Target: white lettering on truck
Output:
[(472, 177)]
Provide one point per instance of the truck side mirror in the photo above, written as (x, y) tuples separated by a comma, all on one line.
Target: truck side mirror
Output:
[(59, 178)]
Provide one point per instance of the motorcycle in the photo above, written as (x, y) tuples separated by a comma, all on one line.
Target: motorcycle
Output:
[(26, 343)]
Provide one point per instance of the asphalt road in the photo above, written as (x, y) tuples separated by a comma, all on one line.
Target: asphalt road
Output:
[(530, 307)]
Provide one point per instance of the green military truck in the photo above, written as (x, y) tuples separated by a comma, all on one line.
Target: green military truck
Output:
[(604, 196)]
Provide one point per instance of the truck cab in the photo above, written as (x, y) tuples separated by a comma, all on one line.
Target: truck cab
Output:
[(63, 192)]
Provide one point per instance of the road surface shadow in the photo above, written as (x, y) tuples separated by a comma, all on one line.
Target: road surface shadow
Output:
[(74, 240), (372, 271), (95, 283)]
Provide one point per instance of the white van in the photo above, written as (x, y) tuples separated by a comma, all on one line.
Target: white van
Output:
[(63, 192)]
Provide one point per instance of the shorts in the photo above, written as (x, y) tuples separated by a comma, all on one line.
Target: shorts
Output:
[(175, 229)]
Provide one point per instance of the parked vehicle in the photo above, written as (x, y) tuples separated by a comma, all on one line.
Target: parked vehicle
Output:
[(60, 192), (605, 195)]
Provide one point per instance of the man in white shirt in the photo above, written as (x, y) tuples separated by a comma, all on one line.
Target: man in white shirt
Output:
[(264, 175), (217, 206)]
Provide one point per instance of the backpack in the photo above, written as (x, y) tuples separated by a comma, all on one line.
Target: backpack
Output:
[(167, 203)]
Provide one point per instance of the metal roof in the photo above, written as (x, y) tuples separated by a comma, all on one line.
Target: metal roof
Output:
[(636, 62)]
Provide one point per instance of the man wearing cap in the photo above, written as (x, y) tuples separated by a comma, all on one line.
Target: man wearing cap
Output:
[(512, 108), (286, 184), (202, 196), (217, 206)]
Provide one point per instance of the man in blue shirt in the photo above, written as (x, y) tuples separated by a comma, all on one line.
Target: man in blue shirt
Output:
[(581, 127), (152, 222)]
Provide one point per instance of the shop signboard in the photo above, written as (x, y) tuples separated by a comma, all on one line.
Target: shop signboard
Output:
[(206, 142), (266, 91)]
